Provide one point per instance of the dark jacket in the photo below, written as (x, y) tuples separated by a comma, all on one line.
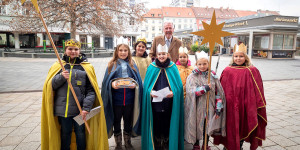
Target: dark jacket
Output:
[(162, 82), (64, 102), (123, 96)]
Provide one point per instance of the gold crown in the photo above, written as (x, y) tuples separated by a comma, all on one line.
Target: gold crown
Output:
[(142, 39), (240, 48), (73, 43)]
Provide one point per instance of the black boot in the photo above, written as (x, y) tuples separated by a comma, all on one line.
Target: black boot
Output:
[(157, 143), (165, 144), (118, 140), (127, 139)]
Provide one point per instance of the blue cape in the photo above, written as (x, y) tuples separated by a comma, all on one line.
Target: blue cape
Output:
[(106, 95), (176, 136)]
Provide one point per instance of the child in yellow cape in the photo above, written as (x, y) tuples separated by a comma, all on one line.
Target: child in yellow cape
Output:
[(51, 119)]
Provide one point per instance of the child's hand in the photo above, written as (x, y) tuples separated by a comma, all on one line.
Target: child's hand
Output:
[(132, 86), (153, 95), (65, 74), (114, 85), (170, 95), (209, 85), (83, 114), (217, 116)]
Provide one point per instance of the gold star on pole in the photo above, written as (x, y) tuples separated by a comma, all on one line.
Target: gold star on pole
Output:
[(212, 33)]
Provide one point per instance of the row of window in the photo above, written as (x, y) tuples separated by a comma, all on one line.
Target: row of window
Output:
[(173, 20)]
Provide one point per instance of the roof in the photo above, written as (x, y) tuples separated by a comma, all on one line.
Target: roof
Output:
[(221, 13), (179, 12), (242, 13), (154, 13)]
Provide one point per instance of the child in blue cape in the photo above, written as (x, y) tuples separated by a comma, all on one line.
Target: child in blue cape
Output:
[(162, 122), (122, 93)]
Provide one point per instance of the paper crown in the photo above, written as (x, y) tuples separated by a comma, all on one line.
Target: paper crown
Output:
[(183, 50), (142, 39), (240, 48), (71, 42), (161, 48), (202, 54)]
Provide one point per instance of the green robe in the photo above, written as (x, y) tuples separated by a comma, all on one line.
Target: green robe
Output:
[(176, 137)]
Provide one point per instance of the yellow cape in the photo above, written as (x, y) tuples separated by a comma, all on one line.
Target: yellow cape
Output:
[(50, 128)]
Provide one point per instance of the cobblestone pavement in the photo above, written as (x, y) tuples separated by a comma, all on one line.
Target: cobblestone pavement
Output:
[(20, 112), (20, 119), (27, 74)]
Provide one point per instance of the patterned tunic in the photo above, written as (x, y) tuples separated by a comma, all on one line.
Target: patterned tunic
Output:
[(195, 107)]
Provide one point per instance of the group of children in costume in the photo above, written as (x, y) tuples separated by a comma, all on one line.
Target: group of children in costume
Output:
[(236, 112)]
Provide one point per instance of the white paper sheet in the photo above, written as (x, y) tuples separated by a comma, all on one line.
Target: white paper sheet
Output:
[(92, 113), (161, 94)]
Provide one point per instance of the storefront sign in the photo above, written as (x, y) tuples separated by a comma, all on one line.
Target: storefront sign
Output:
[(282, 54), (281, 19), (236, 24)]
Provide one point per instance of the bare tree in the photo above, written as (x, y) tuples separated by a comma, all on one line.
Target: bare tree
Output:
[(92, 16)]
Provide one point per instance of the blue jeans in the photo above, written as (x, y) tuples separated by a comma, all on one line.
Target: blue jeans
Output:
[(66, 132)]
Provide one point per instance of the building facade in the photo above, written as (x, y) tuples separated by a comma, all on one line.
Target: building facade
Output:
[(266, 36)]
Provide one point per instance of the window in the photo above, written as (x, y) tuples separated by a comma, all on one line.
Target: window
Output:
[(159, 29), (131, 22), (178, 13), (185, 26), (152, 15), (153, 28), (153, 21), (190, 13), (278, 41), (179, 26), (261, 42), (146, 28), (159, 15), (288, 41), (3, 10), (153, 35), (179, 20), (167, 13)]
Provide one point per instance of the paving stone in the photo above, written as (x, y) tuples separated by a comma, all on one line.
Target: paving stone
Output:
[(28, 146), (293, 128), (286, 133), (33, 137), (21, 131), (277, 147), (2, 136), (8, 147), (17, 121), (273, 126), (267, 143), (6, 130), (295, 139), (11, 140), (282, 123), (297, 147), (282, 141), (270, 133), (9, 114)]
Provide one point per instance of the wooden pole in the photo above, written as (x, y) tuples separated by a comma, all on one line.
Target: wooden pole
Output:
[(211, 49), (63, 68)]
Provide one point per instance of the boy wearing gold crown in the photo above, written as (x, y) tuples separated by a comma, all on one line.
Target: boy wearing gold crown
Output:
[(184, 66), (246, 104), (59, 106), (140, 57), (195, 104), (162, 121)]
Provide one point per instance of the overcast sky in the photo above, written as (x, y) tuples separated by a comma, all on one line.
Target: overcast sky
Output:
[(285, 7)]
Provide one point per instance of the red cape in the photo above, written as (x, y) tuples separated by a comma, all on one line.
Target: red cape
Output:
[(246, 107)]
